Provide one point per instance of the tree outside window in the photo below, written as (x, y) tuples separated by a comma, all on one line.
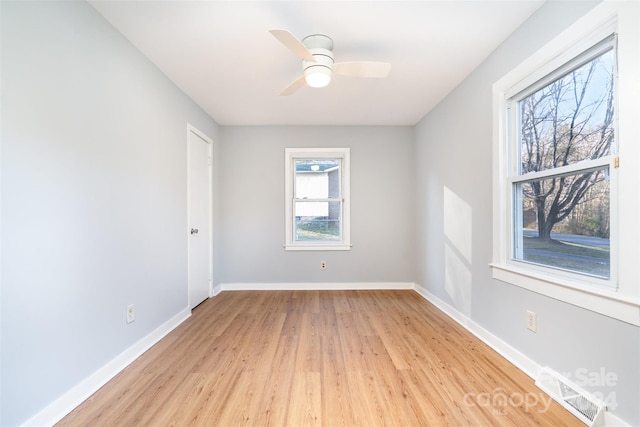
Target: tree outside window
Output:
[(562, 190)]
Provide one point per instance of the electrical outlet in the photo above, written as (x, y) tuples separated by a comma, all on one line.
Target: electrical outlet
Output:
[(323, 265), (532, 321), (131, 313)]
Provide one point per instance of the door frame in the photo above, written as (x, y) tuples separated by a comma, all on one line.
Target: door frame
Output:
[(195, 131)]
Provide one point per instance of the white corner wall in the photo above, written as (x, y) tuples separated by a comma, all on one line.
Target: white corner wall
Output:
[(454, 187), (93, 199)]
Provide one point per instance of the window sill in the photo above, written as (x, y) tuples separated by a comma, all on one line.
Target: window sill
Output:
[(604, 302), (317, 247)]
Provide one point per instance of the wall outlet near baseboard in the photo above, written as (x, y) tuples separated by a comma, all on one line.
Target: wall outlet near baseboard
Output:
[(131, 313), (532, 321), (323, 265)]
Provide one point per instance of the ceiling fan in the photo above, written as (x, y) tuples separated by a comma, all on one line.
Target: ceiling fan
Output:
[(316, 52)]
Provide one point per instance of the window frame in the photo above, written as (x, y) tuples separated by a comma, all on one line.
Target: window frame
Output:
[(293, 154), (620, 296), (515, 176)]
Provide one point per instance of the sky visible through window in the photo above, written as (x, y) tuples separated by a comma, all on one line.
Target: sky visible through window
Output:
[(565, 217)]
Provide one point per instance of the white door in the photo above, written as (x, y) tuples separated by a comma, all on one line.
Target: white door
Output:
[(199, 216)]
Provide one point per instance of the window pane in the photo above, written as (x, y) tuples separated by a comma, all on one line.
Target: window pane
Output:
[(317, 221), (317, 179), (570, 119), (564, 222)]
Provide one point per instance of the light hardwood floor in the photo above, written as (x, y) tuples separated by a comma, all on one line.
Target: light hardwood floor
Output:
[(320, 358)]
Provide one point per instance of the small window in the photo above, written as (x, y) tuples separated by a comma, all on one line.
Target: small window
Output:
[(317, 199)]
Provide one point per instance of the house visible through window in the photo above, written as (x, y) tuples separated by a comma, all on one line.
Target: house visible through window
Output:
[(317, 201), (317, 207)]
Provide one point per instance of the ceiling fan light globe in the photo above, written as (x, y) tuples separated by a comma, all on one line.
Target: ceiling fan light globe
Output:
[(317, 76)]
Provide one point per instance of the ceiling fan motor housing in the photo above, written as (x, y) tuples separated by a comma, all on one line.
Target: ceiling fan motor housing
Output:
[(319, 70)]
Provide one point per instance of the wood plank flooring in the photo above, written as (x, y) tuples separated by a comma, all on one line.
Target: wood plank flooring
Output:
[(319, 358)]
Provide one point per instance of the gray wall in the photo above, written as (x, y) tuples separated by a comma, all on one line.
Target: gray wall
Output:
[(93, 199), (94, 208), (252, 206), (454, 152)]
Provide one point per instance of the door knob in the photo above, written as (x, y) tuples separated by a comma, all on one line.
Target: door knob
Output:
[(194, 231)]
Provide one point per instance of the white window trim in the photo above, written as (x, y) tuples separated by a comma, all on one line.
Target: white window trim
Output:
[(623, 303), (317, 153)]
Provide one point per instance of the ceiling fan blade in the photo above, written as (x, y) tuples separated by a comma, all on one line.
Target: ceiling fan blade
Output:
[(362, 69), (294, 86), (293, 44)]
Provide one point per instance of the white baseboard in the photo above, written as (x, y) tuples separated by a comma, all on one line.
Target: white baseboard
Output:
[(297, 286), (216, 290), (78, 394), (611, 420), (514, 356), (70, 400)]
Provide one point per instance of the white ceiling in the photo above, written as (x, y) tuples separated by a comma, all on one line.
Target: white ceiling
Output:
[(222, 55)]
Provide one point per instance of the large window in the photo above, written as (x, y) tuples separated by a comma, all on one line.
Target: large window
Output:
[(567, 166), (564, 145), (317, 199)]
